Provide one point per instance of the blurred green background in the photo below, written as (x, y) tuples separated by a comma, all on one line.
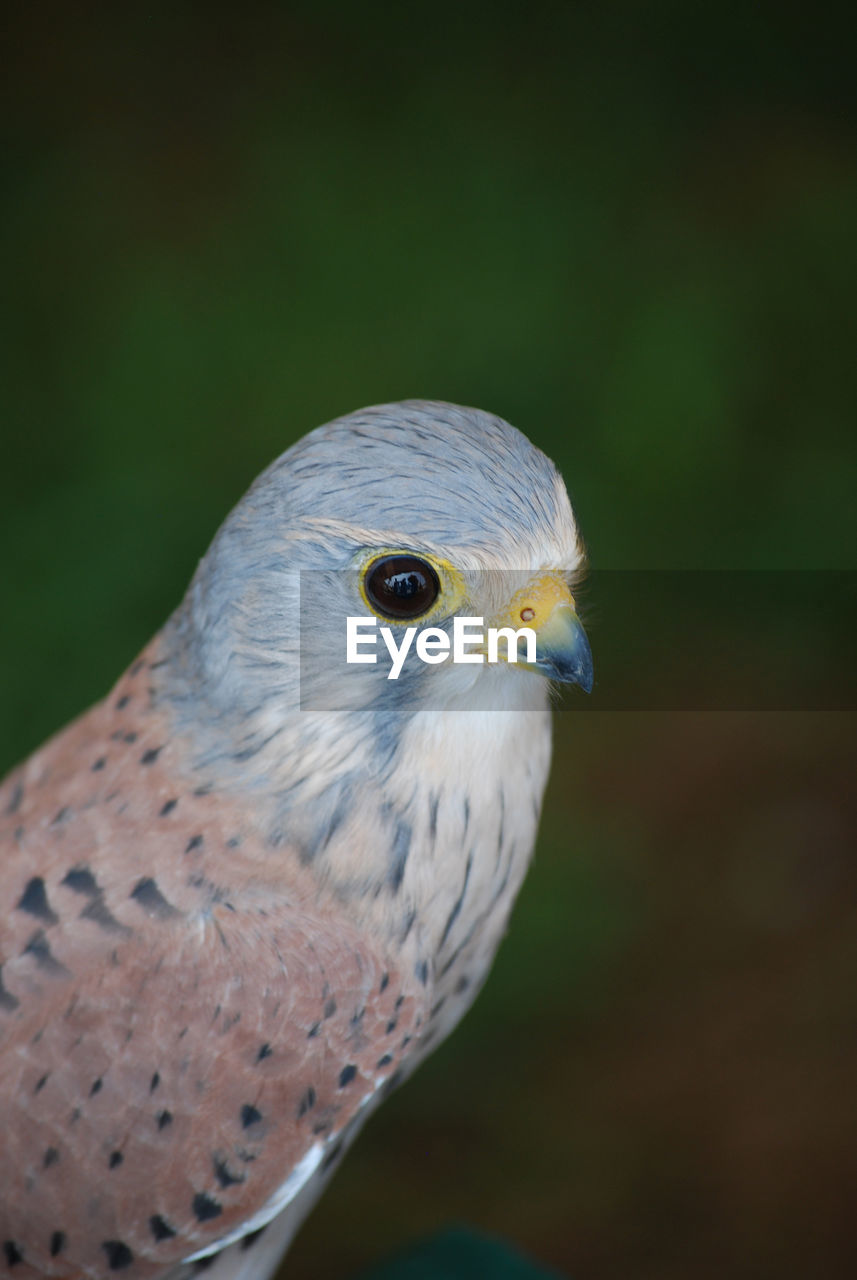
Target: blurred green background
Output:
[(630, 229)]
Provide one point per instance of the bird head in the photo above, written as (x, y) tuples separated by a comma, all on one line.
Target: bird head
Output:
[(405, 516)]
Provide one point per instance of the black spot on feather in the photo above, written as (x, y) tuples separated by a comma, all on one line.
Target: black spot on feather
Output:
[(147, 894), (250, 1239), (119, 1256), (160, 1228), (224, 1174), (399, 859), (434, 801), (205, 1207), (454, 913), (99, 913), (81, 880), (332, 1155), (15, 799), (307, 1102), (39, 949), (34, 901)]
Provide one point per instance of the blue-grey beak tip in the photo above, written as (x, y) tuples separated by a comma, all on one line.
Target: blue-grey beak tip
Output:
[(564, 652)]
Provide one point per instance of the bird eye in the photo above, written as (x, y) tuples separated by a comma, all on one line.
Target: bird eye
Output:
[(402, 586)]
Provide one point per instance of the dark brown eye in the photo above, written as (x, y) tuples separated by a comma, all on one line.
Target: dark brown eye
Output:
[(402, 586)]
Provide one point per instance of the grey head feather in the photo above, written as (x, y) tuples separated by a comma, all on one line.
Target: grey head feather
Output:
[(455, 475)]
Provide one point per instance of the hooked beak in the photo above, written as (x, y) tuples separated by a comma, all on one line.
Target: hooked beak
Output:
[(563, 649)]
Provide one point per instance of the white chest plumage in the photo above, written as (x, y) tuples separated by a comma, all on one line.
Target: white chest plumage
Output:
[(480, 788)]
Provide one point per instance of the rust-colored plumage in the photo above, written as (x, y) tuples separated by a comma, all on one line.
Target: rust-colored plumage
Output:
[(173, 1035)]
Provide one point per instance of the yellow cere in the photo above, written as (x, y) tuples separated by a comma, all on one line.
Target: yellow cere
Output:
[(534, 604)]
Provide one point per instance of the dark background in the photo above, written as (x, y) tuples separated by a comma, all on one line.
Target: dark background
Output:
[(630, 229)]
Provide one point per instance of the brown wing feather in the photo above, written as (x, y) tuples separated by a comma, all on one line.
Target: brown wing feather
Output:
[(176, 1031)]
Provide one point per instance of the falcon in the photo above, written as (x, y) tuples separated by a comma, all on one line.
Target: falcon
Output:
[(247, 893)]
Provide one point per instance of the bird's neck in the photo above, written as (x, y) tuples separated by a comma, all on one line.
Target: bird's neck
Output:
[(402, 819)]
